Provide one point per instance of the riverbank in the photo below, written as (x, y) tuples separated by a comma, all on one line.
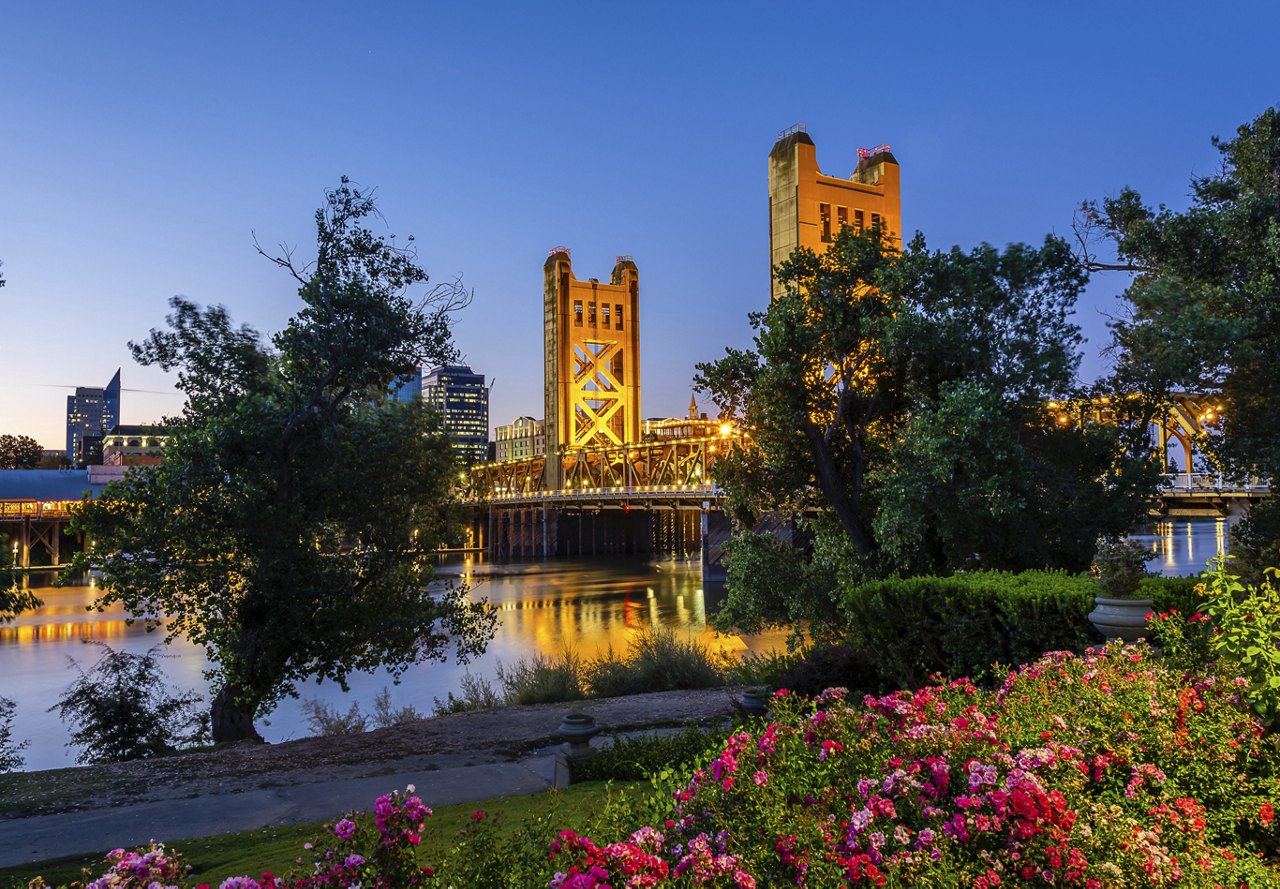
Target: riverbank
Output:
[(455, 758)]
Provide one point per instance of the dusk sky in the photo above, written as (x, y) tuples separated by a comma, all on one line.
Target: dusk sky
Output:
[(142, 144)]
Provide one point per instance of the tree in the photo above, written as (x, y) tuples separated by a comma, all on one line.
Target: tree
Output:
[(123, 709), (1204, 304), (10, 750), (19, 452), (901, 400), (291, 526)]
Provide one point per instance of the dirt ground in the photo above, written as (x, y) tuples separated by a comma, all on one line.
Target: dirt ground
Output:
[(497, 735)]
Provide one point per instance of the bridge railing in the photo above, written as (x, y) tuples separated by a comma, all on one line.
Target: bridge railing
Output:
[(1211, 483), (619, 492)]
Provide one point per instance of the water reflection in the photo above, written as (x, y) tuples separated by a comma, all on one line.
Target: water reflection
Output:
[(545, 608), (1184, 546)]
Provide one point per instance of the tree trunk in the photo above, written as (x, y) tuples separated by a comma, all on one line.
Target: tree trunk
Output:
[(232, 719)]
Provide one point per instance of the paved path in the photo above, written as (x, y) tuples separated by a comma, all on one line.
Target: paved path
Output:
[(451, 759), (49, 836)]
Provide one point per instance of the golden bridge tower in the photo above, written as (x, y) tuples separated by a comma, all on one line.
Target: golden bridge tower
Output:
[(807, 208), (592, 359)]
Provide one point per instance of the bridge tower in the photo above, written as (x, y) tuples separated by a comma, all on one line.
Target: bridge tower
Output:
[(591, 359), (807, 208)]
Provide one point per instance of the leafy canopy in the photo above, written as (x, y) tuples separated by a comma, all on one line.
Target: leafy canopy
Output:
[(19, 452), (900, 401), (291, 526), (1204, 308)]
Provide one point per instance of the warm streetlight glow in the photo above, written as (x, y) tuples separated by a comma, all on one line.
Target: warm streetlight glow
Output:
[(1063, 419), (726, 428)]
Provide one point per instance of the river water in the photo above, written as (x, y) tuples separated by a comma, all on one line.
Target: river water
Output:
[(544, 608)]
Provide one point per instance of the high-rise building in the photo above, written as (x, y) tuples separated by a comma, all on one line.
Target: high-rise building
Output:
[(461, 397), (409, 389), (91, 413), (807, 208)]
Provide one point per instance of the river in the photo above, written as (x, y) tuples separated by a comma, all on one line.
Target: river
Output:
[(544, 608)]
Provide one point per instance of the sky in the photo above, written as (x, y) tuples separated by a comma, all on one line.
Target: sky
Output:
[(142, 146)]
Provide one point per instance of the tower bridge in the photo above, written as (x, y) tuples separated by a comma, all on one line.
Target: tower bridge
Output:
[(604, 487)]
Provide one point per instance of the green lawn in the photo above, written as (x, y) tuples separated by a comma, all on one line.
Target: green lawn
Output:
[(276, 849)]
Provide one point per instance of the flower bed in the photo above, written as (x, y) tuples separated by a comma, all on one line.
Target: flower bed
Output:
[(1096, 770)]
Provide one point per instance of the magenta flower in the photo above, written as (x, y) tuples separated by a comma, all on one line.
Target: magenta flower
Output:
[(345, 829)]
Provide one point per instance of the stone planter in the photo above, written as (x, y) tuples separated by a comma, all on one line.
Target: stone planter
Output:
[(1124, 619), (755, 699)]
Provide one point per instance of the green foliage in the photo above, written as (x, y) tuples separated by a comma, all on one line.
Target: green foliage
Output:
[(963, 625), (291, 528), (764, 670), (642, 756), (1246, 627), (1119, 567), (771, 586), (1255, 542), (903, 396), (10, 750), (654, 661), (13, 599), (833, 666), (1206, 292), (326, 719), (123, 709), (19, 452), (542, 680), (477, 693)]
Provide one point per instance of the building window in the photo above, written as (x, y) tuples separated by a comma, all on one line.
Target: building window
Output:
[(617, 316), (859, 221), (842, 218), (875, 220), (824, 212), (591, 314), (577, 313)]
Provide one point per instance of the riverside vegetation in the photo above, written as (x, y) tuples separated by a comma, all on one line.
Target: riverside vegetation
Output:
[(1101, 767)]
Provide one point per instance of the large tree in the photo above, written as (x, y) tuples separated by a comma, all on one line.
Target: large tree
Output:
[(1204, 305), (19, 452), (901, 400), (291, 527)]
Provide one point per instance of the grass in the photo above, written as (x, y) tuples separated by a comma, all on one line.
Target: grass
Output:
[(276, 849)]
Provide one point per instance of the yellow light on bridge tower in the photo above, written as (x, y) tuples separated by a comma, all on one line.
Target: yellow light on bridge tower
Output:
[(808, 208), (591, 355)]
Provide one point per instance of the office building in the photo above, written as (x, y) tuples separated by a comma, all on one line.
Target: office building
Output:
[(461, 397), (91, 413), (524, 438)]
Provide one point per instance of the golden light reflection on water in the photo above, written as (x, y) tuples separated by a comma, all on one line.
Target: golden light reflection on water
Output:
[(1184, 546)]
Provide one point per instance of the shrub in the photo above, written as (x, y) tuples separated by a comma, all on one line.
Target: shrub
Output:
[(832, 666), (764, 669), (1119, 567), (477, 694), (328, 720), (962, 625), (542, 680), (10, 751), (654, 661), (953, 786), (637, 758), (123, 709)]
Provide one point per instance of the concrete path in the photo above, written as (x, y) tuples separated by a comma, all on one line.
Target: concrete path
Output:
[(48, 836), (459, 758)]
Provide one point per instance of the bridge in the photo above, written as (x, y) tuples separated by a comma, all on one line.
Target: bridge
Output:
[(35, 513)]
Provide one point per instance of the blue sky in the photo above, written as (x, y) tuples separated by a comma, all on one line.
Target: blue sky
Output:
[(141, 144)]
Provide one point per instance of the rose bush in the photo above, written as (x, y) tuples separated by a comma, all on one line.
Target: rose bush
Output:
[(1095, 770)]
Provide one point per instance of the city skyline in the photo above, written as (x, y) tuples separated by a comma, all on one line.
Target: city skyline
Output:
[(145, 149)]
